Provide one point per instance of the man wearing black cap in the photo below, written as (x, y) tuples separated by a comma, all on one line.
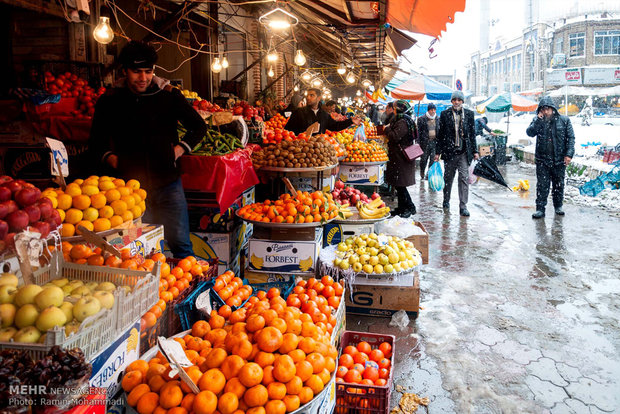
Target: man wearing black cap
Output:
[(457, 145), (134, 135), (428, 128)]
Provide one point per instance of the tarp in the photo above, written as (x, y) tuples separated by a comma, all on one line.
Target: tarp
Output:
[(419, 87), (584, 91), (502, 102), (429, 17)]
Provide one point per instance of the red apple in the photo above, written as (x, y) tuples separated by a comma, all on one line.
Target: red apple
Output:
[(46, 210), (374, 196), (9, 240), (56, 217), (27, 196), (44, 200), (24, 184), (355, 198), (17, 220), (5, 179), (34, 213), (339, 184), (14, 186), (5, 193), (43, 228), (4, 229), (7, 207)]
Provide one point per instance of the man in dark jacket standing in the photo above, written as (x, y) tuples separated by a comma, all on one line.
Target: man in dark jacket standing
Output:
[(555, 147), (134, 133), (428, 128), (457, 145), (312, 118)]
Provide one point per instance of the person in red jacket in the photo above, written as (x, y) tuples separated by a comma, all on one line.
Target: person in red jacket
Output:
[(134, 135)]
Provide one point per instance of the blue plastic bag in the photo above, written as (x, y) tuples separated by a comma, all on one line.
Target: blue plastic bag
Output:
[(435, 177), (360, 133)]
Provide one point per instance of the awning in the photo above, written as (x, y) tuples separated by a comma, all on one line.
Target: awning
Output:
[(505, 101), (419, 86), (584, 91), (429, 17)]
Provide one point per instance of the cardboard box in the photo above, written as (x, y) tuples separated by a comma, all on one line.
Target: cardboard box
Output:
[(335, 233), (259, 277), (204, 211), (233, 264), (9, 263), (484, 150), (362, 175), (420, 242), (405, 280), (384, 301), (285, 234), (248, 196), (273, 256), (109, 364), (151, 240), (310, 184), (224, 246)]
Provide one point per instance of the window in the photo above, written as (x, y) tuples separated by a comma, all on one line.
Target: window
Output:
[(607, 42), (518, 62), (577, 44), (559, 45)]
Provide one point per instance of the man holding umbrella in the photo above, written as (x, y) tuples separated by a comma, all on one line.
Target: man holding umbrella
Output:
[(555, 147), (457, 144)]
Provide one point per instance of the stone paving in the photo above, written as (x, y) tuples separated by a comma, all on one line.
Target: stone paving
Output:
[(519, 316)]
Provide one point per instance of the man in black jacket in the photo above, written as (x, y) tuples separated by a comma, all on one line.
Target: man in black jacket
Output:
[(312, 118), (555, 147), (428, 128), (134, 135), (457, 145)]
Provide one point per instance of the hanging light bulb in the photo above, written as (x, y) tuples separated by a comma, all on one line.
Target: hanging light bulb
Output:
[(224, 62), (216, 66), (342, 69), (366, 83), (306, 76), (317, 82), (103, 32), (305, 93), (296, 88), (300, 58), (351, 77), (358, 93), (272, 56), (271, 74)]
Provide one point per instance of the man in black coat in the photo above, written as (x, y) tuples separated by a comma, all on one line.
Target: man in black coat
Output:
[(314, 119), (457, 146), (555, 147), (134, 133), (428, 130)]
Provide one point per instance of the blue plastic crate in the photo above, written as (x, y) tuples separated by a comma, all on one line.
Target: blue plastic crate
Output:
[(217, 302), (186, 310), (285, 287)]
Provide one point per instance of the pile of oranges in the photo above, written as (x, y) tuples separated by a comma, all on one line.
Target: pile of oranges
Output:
[(82, 254), (277, 122), (267, 358), (339, 148), (319, 298), (231, 289), (304, 208), (363, 365), (173, 280), (358, 151), (97, 203)]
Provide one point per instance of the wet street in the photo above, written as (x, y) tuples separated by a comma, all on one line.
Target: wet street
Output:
[(519, 315)]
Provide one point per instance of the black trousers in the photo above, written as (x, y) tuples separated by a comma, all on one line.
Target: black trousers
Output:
[(404, 199), (546, 174), (428, 156)]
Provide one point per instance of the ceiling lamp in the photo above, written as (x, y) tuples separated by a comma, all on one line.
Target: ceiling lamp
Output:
[(103, 32), (306, 76), (317, 82), (358, 93), (278, 19), (225, 62), (272, 56), (216, 66), (351, 77), (271, 74), (296, 88), (342, 69), (300, 58), (366, 83)]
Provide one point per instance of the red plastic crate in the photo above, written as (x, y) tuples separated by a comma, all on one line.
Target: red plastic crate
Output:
[(364, 399)]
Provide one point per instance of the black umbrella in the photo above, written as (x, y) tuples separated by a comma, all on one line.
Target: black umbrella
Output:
[(486, 168)]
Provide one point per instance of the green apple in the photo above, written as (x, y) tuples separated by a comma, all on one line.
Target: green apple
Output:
[(85, 307), (26, 316), (106, 299), (383, 259), (49, 296), (7, 314), (71, 327), (26, 294), (342, 247), (7, 333), (7, 293), (106, 286), (60, 282), (29, 335), (9, 279), (67, 308), (50, 317)]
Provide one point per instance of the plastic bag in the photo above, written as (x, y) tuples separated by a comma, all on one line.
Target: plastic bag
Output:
[(360, 133), (399, 227), (472, 177), (435, 177), (400, 319)]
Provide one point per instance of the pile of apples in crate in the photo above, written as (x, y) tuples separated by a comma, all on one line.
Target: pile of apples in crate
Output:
[(269, 356), (69, 85)]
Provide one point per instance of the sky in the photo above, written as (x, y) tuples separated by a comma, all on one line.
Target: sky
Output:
[(461, 38)]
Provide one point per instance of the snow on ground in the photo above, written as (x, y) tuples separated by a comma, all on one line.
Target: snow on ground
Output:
[(607, 199)]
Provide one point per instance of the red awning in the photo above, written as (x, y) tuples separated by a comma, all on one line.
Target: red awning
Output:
[(428, 17)]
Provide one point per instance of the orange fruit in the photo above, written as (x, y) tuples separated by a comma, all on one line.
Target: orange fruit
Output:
[(315, 383), (317, 361), (188, 401), (276, 390), (131, 380), (177, 410), (215, 358), (139, 365), (147, 403), (256, 396), (116, 220), (275, 407), (306, 395), (194, 373), (156, 383), (294, 386), (213, 380), (81, 202), (235, 386), (283, 368), (228, 403), (231, 366), (269, 339), (268, 375), (289, 343), (136, 393), (304, 370), (205, 402), (170, 395), (291, 402), (250, 374)]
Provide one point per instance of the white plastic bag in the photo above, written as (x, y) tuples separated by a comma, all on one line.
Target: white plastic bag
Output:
[(399, 227), (472, 177)]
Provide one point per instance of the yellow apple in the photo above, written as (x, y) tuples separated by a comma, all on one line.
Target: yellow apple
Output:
[(71, 327), (60, 282), (50, 317), (7, 333), (106, 299), (67, 308), (26, 316), (29, 335), (26, 294), (7, 293), (85, 307), (9, 279), (7, 314), (107, 286), (49, 296)]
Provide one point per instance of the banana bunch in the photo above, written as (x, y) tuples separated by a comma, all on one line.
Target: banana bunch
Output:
[(306, 264), (132, 341), (371, 210), (372, 178), (257, 262), (344, 211), (524, 185)]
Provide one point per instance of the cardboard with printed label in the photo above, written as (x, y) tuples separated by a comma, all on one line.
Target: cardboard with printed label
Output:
[(420, 242), (224, 246), (144, 239), (310, 184), (335, 233), (362, 174), (384, 301), (272, 256), (109, 364)]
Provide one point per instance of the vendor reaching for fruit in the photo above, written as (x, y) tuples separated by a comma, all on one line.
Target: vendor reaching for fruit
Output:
[(314, 119), (134, 132)]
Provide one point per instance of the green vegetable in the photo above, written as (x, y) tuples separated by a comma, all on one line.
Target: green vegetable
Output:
[(216, 143)]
